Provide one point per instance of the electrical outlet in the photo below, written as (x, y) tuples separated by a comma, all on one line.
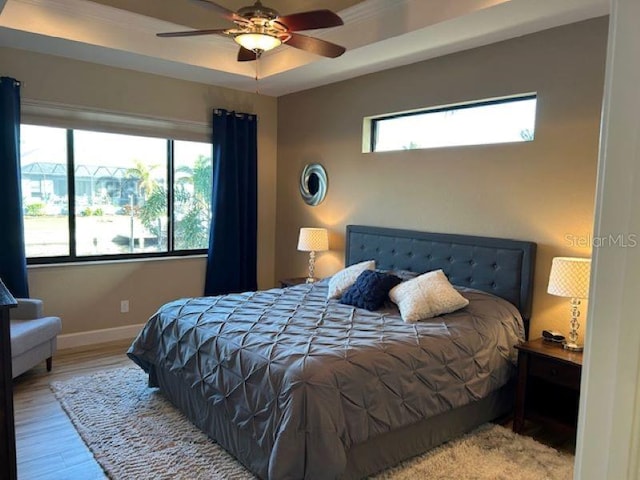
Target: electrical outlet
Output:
[(124, 306)]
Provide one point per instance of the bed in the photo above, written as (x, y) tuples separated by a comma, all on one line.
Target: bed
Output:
[(297, 386)]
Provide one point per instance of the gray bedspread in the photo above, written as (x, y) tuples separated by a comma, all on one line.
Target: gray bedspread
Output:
[(306, 377)]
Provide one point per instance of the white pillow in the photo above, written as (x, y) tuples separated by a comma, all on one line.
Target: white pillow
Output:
[(426, 296), (346, 277)]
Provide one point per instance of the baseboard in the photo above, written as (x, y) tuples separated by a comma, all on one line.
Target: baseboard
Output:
[(93, 337)]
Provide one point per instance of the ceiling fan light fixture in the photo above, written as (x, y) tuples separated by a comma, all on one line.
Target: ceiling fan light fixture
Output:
[(259, 29), (257, 42)]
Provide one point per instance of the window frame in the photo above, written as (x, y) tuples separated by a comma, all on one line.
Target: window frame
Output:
[(73, 257), (373, 126)]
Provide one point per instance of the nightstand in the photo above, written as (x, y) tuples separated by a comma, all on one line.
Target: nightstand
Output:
[(290, 282), (548, 389)]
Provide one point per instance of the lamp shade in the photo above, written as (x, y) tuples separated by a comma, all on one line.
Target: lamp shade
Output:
[(569, 277), (313, 240), (257, 41)]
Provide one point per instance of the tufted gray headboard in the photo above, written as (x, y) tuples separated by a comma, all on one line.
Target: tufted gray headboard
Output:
[(495, 265)]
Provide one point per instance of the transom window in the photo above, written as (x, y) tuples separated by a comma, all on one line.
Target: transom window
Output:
[(483, 122), (91, 195)]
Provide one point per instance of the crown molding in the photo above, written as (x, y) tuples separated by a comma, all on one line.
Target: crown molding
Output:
[(371, 8)]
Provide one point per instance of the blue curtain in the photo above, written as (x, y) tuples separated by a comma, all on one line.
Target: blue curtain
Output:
[(232, 257), (13, 263)]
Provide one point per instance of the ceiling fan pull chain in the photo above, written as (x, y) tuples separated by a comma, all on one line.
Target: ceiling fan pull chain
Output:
[(257, 66)]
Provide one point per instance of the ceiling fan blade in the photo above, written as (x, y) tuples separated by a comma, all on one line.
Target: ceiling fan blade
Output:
[(246, 55), (219, 9), (310, 20), (315, 45), (192, 33)]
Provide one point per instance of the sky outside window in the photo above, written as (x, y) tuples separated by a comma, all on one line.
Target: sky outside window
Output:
[(500, 122)]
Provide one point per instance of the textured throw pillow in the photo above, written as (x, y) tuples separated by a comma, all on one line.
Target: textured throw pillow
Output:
[(426, 296), (342, 280), (370, 290)]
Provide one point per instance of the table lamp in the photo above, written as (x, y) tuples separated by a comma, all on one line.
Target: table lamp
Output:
[(313, 240), (569, 277)]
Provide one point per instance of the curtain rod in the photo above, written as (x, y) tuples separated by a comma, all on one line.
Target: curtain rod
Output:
[(220, 111)]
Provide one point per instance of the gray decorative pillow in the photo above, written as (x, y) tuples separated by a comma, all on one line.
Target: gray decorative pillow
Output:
[(403, 275)]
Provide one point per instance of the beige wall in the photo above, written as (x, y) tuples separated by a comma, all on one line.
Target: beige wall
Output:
[(541, 191), (87, 297)]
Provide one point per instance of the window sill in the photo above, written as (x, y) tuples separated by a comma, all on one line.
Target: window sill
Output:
[(89, 263)]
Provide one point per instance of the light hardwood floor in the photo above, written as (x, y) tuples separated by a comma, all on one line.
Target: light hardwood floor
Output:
[(49, 446)]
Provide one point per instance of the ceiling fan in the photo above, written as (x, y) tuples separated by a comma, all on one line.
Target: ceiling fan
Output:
[(259, 29)]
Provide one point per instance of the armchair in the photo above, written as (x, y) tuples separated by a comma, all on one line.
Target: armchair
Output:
[(33, 336)]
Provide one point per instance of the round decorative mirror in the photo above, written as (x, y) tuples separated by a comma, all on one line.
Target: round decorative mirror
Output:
[(313, 184)]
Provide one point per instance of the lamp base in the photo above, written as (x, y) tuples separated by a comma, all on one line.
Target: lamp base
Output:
[(574, 347)]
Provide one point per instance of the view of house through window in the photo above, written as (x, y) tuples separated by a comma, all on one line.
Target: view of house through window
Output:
[(44, 190), (119, 189), (478, 123)]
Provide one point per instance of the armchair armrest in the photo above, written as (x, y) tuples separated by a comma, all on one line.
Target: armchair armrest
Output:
[(27, 309)]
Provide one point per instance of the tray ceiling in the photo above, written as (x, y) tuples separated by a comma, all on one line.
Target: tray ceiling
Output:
[(378, 34)]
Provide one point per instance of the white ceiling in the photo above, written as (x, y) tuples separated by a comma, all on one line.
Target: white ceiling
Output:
[(378, 34)]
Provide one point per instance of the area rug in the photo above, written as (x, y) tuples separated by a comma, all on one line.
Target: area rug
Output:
[(135, 433)]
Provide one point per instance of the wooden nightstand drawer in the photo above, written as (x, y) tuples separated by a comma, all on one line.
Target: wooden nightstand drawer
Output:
[(555, 372)]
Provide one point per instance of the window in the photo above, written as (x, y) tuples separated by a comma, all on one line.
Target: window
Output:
[(92, 195), (44, 191), (192, 194), (490, 121)]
